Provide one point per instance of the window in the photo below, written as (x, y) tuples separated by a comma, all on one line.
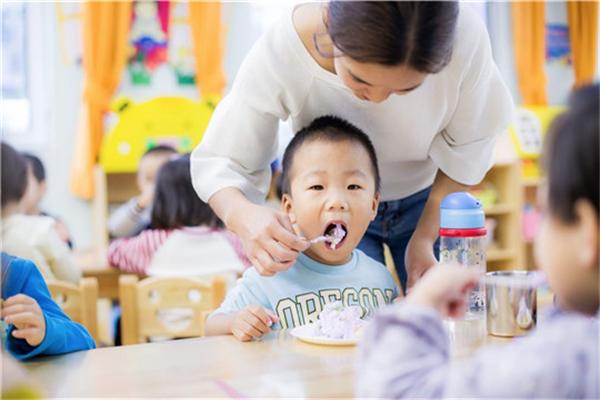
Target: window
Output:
[(26, 70)]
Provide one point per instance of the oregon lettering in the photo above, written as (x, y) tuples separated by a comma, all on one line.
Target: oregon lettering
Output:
[(305, 307)]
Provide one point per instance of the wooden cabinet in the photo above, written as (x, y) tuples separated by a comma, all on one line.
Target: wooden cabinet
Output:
[(506, 252), (111, 189)]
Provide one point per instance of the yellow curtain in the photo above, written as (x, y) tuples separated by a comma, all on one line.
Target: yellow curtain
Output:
[(530, 47), (583, 35), (208, 40), (105, 31)]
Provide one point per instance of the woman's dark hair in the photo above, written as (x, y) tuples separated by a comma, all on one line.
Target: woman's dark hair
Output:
[(37, 167), (419, 34), (571, 155), (14, 175), (329, 129), (175, 203)]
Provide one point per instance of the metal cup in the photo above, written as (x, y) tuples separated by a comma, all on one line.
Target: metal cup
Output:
[(511, 303)]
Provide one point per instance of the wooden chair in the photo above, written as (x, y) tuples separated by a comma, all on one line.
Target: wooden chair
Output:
[(142, 303), (78, 302)]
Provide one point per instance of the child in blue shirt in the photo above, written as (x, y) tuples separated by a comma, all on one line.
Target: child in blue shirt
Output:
[(330, 179), (33, 324)]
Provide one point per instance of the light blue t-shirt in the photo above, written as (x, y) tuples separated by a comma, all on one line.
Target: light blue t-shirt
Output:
[(298, 295)]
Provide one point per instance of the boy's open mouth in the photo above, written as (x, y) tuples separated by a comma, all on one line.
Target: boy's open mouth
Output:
[(337, 233)]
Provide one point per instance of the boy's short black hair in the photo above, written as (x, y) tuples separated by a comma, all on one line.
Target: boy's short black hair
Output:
[(160, 149), (571, 155), (332, 129), (37, 167), (175, 202), (14, 175)]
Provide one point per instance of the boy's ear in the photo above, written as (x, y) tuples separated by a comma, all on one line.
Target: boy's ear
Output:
[(375, 205), (587, 230), (288, 207)]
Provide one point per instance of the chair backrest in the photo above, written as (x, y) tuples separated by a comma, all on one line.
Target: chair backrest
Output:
[(166, 306), (78, 302)]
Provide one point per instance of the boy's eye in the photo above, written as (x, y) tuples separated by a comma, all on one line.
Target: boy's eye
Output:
[(354, 187), (316, 187)]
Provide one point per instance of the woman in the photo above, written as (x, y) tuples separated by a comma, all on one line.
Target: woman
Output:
[(418, 77)]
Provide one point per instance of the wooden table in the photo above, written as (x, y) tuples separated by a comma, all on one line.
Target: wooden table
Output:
[(276, 366)]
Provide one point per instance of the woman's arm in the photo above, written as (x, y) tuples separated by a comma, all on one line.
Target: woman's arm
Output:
[(267, 234), (419, 252)]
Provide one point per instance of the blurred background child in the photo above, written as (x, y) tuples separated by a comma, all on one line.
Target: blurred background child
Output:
[(34, 324), (32, 237), (405, 353), (36, 190), (134, 216), (185, 238)]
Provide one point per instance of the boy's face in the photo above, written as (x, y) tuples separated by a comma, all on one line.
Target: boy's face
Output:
[(34, 193), (331, 183), (148, 170), (568, 258)]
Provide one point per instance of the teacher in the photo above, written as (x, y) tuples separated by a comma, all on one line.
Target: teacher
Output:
[(417, 77)]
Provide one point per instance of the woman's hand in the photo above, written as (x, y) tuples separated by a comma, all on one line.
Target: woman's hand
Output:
[(419, 257), (26, 315), (445, 287), (268, 238), (252, 322)]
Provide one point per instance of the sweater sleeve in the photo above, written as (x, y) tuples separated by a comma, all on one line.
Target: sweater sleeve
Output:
[(62, 334), (60, 259), (464, 149), (128, 220), (135, 254), (241, 139), (405, 353)]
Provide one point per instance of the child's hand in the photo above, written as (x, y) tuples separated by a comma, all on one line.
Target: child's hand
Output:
[(145, 198), (26, 315), (445, 288), (252, 322)]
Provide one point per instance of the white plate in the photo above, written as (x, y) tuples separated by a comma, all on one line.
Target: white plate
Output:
[(305, 333)]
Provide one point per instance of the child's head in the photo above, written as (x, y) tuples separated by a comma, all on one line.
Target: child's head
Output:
[(150, 163), (175, 203), (567, 244), (14, 177), (330, 175), (36, 185)]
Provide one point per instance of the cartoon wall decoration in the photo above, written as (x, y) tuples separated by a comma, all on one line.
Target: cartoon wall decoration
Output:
[(149, 39), (175, 121), (527, 135)]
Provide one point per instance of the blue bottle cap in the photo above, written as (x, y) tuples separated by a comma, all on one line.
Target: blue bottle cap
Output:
[(461, 210)]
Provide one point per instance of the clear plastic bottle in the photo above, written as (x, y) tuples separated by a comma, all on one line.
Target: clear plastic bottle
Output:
[(462, 241)]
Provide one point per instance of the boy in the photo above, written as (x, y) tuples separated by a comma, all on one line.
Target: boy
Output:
[(560, 359), (134, 216), (32, 237), (33, 324), (330, 179), (37, 186)]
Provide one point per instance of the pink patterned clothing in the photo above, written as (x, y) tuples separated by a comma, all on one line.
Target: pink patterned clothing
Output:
[(135, 254)]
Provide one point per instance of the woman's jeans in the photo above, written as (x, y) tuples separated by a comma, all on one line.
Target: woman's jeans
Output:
[(394, 225)]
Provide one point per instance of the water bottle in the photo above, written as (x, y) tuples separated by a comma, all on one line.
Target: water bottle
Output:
[(462, 241)]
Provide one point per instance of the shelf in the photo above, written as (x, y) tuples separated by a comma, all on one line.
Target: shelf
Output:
[(498, 209), (499, 254), (530, 182)]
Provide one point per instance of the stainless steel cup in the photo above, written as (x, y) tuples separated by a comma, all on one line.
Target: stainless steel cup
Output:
[(511, 303)]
